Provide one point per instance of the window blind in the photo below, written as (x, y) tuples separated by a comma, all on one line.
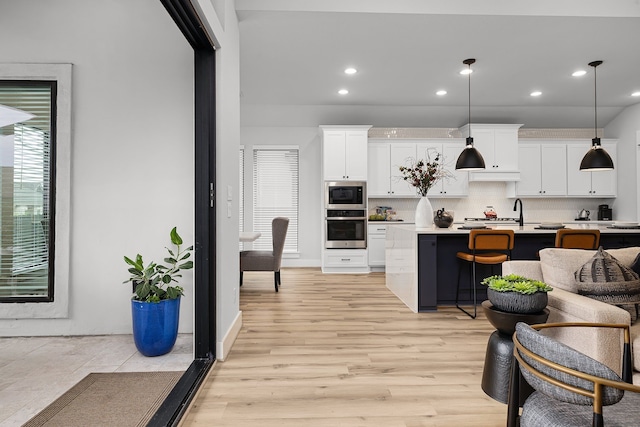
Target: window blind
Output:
[(275, 193), (25, 188)]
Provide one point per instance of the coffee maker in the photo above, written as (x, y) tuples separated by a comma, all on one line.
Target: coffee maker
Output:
[(604, 213)]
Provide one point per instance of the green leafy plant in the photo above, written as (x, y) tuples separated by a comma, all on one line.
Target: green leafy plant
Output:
[(515, 283), (153, 282)]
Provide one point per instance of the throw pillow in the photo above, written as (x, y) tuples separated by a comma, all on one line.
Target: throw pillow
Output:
[(636, 265), (605, 279)]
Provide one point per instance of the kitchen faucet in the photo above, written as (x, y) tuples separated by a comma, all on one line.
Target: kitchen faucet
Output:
[(515, 208)]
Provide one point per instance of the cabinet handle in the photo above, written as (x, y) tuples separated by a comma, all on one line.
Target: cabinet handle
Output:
[(345, 259)]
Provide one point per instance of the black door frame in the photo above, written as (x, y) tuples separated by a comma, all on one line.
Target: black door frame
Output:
[(176, 403)]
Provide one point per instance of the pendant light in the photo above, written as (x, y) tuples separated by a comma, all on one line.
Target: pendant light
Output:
[(470, 158), (597, 158)]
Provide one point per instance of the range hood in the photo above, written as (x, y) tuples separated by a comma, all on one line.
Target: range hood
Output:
[(502, 176)]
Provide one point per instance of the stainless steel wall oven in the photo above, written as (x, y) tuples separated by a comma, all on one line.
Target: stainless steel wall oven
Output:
[(346, 228)]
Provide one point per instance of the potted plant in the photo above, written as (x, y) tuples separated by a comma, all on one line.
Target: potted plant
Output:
[(517, 294), (424, 174), (155, 305)]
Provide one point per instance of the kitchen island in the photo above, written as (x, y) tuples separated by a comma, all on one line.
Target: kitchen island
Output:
[(422, 267)]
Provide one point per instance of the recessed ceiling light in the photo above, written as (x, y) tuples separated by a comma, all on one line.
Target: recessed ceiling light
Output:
[(635, 94), (579, 73), (350, 70), (536, 93), (343, 91), (466, 71), (441, 92)]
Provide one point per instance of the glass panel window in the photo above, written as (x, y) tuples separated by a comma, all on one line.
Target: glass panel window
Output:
[(275, 193), (27, 150)]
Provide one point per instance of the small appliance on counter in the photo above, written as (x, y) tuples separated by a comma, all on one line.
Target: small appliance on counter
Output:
[(583, 215), (605, 213)]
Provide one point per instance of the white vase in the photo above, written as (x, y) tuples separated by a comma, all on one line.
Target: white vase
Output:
[(424, 213)]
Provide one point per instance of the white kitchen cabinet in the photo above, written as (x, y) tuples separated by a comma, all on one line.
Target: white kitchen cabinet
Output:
[(498, 145), (590, 184), (344, 153), (450, 149), (345, 258), (377, 232), (384, 160), (543, 170)]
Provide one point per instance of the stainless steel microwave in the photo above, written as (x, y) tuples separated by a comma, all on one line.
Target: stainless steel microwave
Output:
[(345, 195)]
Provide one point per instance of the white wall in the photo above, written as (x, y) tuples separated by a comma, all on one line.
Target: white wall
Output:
[(625, 127), (132, 146), (309, 142)]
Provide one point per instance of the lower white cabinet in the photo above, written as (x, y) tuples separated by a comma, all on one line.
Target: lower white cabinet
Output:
[(377, 234), (341, 258)]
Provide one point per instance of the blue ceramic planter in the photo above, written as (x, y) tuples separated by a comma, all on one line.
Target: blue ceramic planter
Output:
[(155, 326)]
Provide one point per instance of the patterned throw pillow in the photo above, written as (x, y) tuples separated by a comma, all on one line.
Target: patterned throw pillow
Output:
[(605, 279)]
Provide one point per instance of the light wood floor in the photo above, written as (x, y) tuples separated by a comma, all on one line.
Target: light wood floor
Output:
[(341, 350)]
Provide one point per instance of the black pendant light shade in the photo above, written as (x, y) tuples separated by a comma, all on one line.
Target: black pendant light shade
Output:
[(470, 159), (597, 158)]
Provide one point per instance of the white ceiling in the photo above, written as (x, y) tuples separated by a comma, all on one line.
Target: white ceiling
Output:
[(294, 52)]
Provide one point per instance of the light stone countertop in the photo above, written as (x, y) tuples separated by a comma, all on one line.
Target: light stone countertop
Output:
[(528, 228)]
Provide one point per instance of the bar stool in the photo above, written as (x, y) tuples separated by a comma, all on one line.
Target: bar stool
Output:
[(569, 238), (488, 247)]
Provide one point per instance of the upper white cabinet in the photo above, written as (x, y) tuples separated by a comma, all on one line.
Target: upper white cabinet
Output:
[(458, 184), (543, 170), (584, 183), (344, 152), (498, 145), (385, 158)]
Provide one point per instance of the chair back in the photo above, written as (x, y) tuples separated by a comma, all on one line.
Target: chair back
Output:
[(534, 351), (494, 240), (279, 227), (577, 239)]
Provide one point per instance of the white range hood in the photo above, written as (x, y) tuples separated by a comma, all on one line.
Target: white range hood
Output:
[(492, 176)]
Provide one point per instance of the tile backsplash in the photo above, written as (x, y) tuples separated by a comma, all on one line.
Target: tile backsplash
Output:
[(483, 194)]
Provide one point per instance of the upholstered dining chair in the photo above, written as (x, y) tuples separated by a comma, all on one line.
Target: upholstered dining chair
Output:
[(267, 260), (570, 238), (571, 389), (488, 247)]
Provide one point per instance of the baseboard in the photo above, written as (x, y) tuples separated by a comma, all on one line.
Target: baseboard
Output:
[(224, 347)]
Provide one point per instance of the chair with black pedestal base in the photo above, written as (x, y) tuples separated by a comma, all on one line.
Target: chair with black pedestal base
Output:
[(570, 238), (571, 388), (267, 260), (488, 247)]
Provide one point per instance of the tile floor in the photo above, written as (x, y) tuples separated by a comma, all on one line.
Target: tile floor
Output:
[(34, 371)]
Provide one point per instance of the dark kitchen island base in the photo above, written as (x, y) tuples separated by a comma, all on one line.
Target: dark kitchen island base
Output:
[(422, 267)]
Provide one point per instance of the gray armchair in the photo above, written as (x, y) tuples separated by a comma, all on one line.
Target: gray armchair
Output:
[(572, 389), (267, 260)]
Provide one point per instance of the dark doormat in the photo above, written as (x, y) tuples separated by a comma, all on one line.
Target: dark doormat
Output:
[(109, 399)]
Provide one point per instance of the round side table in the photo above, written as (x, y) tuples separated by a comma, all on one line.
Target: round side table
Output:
[(498, 359)]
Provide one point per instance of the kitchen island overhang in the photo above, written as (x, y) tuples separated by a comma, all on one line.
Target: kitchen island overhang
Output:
[(422, 267)]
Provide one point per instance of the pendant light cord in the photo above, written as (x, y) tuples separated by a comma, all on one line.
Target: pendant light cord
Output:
[(595, 97), (469, 65)]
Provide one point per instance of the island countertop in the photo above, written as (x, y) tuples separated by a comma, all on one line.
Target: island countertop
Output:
[(530, 228)]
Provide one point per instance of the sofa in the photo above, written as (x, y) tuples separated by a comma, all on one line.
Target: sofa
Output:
[(557, 268)]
